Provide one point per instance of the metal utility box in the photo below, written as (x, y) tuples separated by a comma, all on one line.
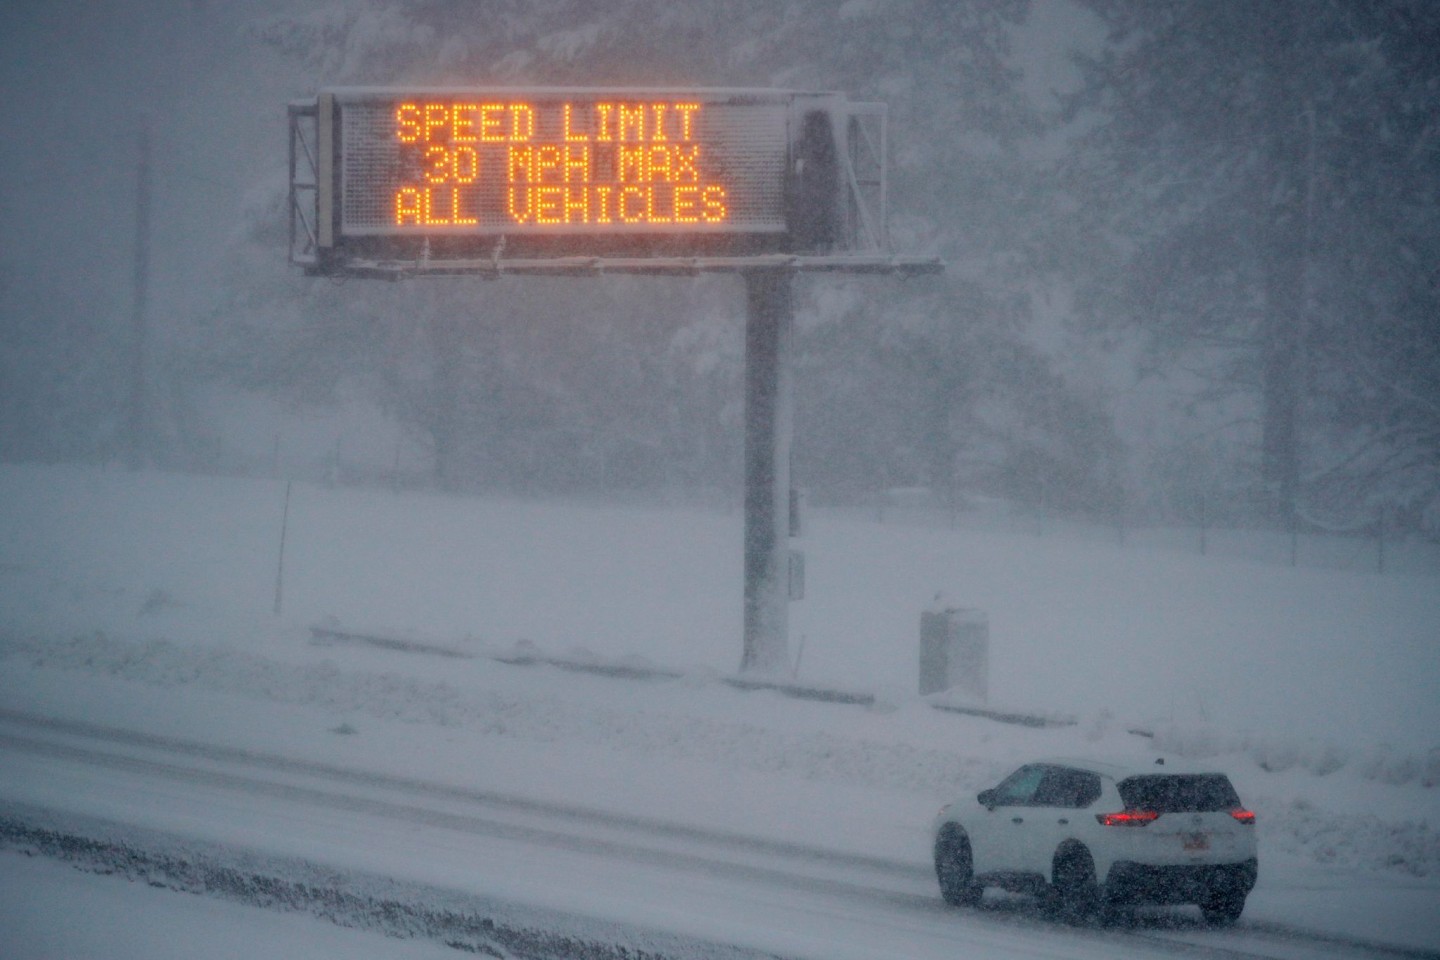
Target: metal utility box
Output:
[(955, 652)]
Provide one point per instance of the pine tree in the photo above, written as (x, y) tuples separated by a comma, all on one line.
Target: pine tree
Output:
[(1256, 176)]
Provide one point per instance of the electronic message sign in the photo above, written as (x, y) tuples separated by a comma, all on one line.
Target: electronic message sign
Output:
[(457, 164), (411, 175)]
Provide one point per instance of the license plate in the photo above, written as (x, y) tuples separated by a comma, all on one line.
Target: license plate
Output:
[(1197, 841)]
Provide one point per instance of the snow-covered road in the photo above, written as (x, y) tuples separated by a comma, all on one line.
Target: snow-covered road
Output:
[(671, 811), (604, 876)]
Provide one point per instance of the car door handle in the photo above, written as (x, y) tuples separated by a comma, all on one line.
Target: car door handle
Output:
[(1017, 819), (1063, 822)]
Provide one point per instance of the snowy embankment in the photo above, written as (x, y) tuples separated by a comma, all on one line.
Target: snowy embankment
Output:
[(398, 910), (49, 910), (1315, 689)]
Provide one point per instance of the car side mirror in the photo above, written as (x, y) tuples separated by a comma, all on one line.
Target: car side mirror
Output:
[(987, 798)]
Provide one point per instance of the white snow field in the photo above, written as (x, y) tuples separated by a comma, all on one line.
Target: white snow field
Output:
[(137, 620)]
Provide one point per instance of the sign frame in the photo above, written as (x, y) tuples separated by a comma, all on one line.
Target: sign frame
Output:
[(834, 199), (830, 200)]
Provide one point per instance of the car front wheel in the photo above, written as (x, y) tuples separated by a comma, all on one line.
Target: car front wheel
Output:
[(954, 869)]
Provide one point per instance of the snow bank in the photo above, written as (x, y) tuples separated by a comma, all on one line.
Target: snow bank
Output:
[(350, 898)]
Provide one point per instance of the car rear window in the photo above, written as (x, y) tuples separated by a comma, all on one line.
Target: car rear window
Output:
[(1063, 787), (1179, 793)]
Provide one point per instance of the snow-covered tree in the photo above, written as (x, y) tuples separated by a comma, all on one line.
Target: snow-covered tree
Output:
[(1256, 197)]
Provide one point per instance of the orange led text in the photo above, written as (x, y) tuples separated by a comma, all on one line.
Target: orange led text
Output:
[(603, 164)]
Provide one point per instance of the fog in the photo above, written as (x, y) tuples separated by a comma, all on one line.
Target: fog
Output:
[(1185, 283), (1169, 418)]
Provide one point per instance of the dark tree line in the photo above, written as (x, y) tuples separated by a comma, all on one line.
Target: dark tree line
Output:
[(1236, 209), (1257, 189)]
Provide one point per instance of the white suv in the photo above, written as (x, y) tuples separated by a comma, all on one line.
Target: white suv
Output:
[(1094, 836)]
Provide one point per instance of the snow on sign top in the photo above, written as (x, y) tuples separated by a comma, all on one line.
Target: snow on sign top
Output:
[(466, 162)]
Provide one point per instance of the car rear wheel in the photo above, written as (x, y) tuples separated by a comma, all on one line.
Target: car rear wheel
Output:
[(1223, 909), (1076, 891), (954, 869)]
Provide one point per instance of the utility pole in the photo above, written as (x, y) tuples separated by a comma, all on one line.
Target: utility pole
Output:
[(1308, 301), (1283, 263), (137, 452)]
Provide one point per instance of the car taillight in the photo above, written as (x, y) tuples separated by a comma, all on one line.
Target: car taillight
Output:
[(1127, 818), (1244, 816)]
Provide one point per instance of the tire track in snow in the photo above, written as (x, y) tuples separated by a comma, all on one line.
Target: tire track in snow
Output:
[(495, 800)]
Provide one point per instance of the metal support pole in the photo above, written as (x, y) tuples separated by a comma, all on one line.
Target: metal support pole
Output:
[(769, 409)]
